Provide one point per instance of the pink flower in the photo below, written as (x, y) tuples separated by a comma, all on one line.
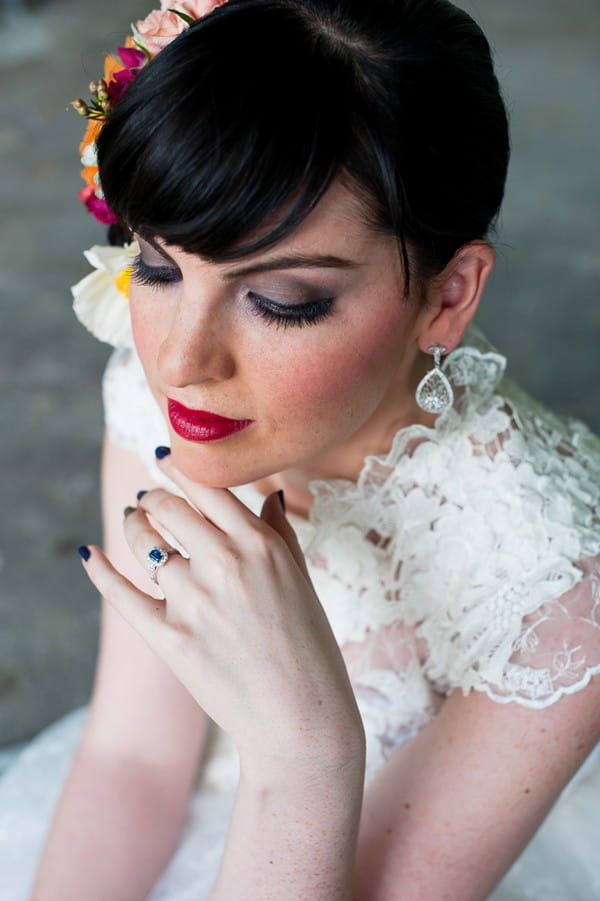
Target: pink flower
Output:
[(97, 207), (159, 28), (197, 9)]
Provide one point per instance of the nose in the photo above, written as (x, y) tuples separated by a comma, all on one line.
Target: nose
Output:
[(198, 347)]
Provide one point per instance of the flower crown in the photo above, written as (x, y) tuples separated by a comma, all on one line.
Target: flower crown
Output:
[(101, 298), (148, 37)]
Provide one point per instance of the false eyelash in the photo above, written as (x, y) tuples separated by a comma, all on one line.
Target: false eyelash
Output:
[(153, 276), (299, 315)]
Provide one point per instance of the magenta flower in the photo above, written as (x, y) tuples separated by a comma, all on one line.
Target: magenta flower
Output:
[(131, 59), (97, 207), (118, 84)]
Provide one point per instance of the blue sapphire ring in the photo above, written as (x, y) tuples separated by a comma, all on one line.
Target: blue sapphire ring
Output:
[(157, 557)]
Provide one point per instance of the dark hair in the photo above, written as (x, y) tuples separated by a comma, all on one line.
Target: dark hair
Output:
[(231, 135)]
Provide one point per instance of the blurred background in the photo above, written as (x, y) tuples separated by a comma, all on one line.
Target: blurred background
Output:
[(542, 309)]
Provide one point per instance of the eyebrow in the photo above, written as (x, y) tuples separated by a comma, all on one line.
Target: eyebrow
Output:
[(294, 261), (289, 261)]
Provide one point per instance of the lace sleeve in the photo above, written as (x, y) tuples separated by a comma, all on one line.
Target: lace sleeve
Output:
[(520, 611), (510, 642), (558, 649)]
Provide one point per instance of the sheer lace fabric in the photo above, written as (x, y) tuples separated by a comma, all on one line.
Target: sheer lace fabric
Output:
[(467, 557)]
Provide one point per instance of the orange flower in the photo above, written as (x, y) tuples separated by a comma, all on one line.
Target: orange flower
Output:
[(111, 66), (91, 133), (89, 176)]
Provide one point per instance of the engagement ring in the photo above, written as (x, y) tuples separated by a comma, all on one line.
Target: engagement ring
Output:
[(157, 557)]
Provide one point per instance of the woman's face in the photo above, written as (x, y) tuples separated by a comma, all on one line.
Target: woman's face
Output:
[(310, 385)]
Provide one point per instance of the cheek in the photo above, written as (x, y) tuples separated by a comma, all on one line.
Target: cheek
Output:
[(146, 325), (345, 376)]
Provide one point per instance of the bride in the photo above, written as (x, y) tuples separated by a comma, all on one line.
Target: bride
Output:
[(350, 572)]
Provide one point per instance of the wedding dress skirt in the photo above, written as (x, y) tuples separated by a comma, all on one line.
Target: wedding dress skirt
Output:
[(562, 863)]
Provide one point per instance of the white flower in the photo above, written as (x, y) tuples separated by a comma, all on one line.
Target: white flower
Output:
[(89, 156), (101, 299)]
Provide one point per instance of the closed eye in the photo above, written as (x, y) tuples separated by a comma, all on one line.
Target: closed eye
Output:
[(154, 276), (282, 315)]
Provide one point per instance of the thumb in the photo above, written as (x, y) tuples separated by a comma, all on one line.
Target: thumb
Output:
[(273, 513)]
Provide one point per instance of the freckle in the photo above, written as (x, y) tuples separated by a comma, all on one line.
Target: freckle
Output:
[(389, 830), (527, 791), (270, 861), (320, 703), (580, 747), (407, 806)]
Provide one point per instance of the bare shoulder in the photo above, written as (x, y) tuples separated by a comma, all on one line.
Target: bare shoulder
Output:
[(138, 708)]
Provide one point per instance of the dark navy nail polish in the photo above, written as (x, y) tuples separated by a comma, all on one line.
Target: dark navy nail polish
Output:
[(281, 497), (84, 552), (162, 452), (140, 494), (128, 511)]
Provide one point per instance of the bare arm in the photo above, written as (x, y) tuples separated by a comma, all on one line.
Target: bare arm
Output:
[(456, 805), (124, 801), (443, 820)]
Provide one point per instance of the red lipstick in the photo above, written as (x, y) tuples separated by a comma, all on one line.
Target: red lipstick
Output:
[(200, 425)]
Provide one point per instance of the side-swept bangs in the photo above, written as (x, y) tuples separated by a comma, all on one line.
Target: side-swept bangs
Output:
[(230, 136), (232, 126)]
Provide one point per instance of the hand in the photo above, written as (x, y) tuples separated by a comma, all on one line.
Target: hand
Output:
[(240, 624)]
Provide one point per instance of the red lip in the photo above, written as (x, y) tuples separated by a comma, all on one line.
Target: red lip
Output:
[(200, 425)]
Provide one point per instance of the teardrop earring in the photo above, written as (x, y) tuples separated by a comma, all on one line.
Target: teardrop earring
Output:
[(434, 392)]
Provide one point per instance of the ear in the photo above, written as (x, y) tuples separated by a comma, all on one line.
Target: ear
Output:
[(453, 296)]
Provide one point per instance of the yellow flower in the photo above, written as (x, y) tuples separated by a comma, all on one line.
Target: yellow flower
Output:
[(101, 299)]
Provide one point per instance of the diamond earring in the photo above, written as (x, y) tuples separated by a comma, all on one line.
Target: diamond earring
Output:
[(434, 392)]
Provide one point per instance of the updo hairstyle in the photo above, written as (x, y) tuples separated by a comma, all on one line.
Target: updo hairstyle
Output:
[(230, 136)]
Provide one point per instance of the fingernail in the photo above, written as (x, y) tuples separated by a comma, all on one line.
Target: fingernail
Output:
[(127, 511), (84, 552), (140, 494), (281, 497), (162, 452)]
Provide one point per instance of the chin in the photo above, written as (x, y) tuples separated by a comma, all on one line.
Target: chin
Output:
[(215, 469)]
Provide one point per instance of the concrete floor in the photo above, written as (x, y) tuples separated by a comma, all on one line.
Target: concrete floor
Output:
[(542, 309)]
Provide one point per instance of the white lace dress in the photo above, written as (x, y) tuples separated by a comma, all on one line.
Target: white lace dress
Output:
[(467, 557)]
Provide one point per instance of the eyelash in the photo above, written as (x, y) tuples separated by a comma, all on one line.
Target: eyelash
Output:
[(282, 316)]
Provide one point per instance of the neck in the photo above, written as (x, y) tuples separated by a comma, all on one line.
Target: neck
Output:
[(398, 409)]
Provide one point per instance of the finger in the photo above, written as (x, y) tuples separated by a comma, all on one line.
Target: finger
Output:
[(219, 505), (143, 538), (144, 613), (273, 514), (181, 521)]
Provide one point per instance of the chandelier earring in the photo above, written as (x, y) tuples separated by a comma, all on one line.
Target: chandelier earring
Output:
[(434, 392)]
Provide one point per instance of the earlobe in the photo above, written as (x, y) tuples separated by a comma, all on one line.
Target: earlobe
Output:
[(455, 295)]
